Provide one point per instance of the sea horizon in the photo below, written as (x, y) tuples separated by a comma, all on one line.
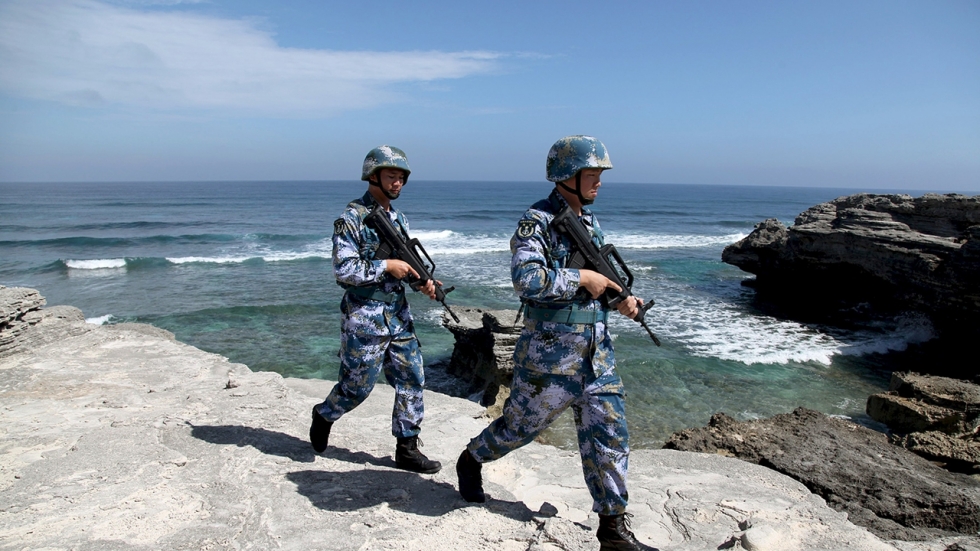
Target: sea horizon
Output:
[(878, 188)]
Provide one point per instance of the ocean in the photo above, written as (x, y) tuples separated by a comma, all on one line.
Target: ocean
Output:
[(243, 269)]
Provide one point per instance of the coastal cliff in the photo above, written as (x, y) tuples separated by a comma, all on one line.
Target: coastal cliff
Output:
[(886, 253), (119, 437)]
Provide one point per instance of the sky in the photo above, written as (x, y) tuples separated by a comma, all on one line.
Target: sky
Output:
[(868, 94)]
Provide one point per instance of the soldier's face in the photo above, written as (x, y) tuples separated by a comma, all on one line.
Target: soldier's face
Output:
[(391, 180), (590, 182)]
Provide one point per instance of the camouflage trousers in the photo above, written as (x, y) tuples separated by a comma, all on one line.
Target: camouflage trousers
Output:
[(362, 360), (537, 399)]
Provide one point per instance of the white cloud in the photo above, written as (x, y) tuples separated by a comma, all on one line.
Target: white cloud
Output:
[(90, 53)]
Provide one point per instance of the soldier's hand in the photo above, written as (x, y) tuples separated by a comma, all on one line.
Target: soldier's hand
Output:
[(429, 289), (630, 307), (399, 269), (596, 283)]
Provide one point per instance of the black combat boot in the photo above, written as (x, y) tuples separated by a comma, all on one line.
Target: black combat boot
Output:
[(614, 534), (470, 479), (319, 432), (409, 458)]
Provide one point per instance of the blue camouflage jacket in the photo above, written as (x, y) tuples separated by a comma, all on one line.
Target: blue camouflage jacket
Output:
[(355, 244), (354, 265), (541, 278)]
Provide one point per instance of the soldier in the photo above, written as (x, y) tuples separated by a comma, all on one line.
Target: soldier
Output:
[(377, 332), (564, 356)]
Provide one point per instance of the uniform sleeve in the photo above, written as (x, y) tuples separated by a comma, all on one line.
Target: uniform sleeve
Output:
[(349, 266), (533, 275)]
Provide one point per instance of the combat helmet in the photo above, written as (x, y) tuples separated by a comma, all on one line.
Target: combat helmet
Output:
[(570, 155), (384, 156)]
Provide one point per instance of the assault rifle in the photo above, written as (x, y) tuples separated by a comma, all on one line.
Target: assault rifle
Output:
[(393, 245), (600, 259)]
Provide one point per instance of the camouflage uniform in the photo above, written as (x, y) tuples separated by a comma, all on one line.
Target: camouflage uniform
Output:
[(568, 362), (377, 332)]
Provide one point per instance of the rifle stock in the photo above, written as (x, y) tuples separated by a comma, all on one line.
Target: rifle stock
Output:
[(393, 245), (604, 260)]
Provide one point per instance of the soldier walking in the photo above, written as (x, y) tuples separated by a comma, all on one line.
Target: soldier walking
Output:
[(564, 356), (377, 331)]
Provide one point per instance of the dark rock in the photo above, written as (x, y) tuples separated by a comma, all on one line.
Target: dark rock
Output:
[(483, 353), (887, 489), (906, 415), (934, 417), (917, 403), (953, 453), (893, 252), (940, 391)]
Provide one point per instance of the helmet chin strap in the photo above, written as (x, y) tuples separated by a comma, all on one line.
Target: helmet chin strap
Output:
[(578, 189), (388, 194)]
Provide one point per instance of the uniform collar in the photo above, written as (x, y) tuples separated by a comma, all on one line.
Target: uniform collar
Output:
[(558, 201), (368, 199)]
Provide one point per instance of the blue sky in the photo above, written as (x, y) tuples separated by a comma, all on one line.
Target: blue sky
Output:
[(869, 94)]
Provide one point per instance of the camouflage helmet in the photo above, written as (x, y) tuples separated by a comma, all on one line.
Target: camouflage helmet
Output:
[(384, 156), (573, 153)]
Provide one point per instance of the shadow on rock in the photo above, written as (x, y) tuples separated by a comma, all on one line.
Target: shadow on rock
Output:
[(362, 458), (401, 490), (266, 441)]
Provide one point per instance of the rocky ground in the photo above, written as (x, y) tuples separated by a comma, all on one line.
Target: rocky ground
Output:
[(894, 493), (121, 438)]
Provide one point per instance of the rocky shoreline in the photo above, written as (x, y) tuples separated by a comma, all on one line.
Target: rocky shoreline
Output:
[(864, 254), (119, 437), (894, 493)]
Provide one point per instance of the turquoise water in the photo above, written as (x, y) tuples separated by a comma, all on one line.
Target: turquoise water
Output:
[(242, 269)]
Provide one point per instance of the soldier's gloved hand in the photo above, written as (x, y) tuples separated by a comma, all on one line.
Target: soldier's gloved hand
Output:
[(399, 269), (630, 307), (596, 283)]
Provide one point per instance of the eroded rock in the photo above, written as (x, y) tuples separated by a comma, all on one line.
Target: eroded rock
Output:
[(24, 324), (484, 353)]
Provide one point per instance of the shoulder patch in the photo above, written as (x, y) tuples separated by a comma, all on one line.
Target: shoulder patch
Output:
[(339, 225), (525, 228)]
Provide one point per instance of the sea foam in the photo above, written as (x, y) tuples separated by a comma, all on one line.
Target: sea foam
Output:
[(318, 249), (101, 320), (99, 264), (667, 241), (710, 327), (447, 242)]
